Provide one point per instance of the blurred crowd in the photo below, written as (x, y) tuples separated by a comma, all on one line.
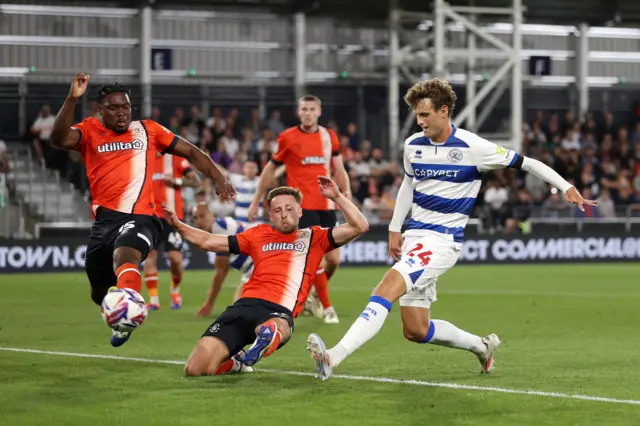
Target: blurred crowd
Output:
[(599, 154)]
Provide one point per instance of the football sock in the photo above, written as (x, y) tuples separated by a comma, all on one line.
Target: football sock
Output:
[(363, 329), (129, 277), (276, 341), (321, 284), (151, 281), (175, 283), (229, 366), (444, 333)]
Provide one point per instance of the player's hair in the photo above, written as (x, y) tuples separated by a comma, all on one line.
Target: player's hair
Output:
[(284, 190), (109, 89), (310, 98), (439, 91)]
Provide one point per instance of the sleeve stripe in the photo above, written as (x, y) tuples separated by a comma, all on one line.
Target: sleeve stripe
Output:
[(335, 153), (234, 247), (276, 162), (170, 148), (516, 161), (332, 241)]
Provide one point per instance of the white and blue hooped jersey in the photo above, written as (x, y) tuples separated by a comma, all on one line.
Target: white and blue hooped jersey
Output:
[(230, 226), (447, 178), (246, 190)]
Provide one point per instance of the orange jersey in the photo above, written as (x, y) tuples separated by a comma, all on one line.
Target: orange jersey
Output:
[(176, 167), (284, 264), (120, 165), (307, 155)]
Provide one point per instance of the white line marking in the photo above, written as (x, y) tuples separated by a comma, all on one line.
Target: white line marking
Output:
[(357, 378)]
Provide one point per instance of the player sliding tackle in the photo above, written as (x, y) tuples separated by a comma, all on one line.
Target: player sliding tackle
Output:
[(285, 261), (443, 166)]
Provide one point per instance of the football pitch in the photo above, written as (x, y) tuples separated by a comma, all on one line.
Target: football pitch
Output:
[(570, 356)]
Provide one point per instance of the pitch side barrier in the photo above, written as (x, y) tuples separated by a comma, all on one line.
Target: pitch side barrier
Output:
[(67, 254)]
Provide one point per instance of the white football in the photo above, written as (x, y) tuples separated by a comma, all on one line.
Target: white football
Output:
[(123, 309)]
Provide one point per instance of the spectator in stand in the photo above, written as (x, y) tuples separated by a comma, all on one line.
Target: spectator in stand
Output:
[(606, 206), (220, 155), (231, 144), (41, 130), (495, 199), (266, 144), (255, 124), (358, 167), (216, 122), (275, 124), (345, 149), (354, 136)]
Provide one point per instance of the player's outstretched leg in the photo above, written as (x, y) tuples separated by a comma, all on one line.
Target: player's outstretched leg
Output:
[(270, 336), (175, 264), (211, 357), (125, 265), (417, 327), (368, 324)]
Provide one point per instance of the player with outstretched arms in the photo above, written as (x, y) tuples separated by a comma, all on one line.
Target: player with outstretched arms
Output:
[(443, 166), (119, 153), (285, 260), (306, 151), (204, 219)]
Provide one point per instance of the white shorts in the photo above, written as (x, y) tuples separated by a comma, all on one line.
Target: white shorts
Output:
[(424, 258)]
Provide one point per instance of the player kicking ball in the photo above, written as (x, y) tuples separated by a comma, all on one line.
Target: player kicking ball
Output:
[(285, 261), (443, 166), (119, 153)]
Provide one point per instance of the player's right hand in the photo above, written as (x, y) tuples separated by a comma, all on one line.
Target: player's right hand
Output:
[(170, 215), (225, 190), (395, 245), (252, 214), (79, 85)]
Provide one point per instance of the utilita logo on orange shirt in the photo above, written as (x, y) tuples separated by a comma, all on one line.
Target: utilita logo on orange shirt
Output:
[(314, 160), (298, 246), (120, 146)]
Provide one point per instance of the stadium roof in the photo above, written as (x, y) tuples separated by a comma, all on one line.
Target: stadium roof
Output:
[(625, 13)]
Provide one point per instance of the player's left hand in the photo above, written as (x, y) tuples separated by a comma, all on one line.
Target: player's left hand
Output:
[(574, 197), (170, 215), (328, 188), (225, 190), (168, 179)]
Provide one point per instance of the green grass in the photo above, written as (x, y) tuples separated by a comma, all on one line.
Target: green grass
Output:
[(568, 329)]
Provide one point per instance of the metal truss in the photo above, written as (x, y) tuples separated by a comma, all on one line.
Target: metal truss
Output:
[(427, 53)]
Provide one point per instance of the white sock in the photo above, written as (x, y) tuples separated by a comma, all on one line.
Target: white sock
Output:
[(363, 329), (444, 333), (154, 300)]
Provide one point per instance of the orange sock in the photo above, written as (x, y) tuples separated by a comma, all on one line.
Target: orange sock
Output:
[(175, 281), (129, 277), (321, 283), (225, 367), (151, 280)]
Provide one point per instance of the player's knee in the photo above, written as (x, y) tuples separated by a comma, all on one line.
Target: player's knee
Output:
[(193, 369), (124, 255), (414, 334)]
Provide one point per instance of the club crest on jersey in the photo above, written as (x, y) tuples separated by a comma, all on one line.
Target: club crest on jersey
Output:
[(297, 246), (120, 146), (455, 155), (314, 160)]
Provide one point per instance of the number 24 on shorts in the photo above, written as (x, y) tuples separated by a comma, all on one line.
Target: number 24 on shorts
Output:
[(423, 255)]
